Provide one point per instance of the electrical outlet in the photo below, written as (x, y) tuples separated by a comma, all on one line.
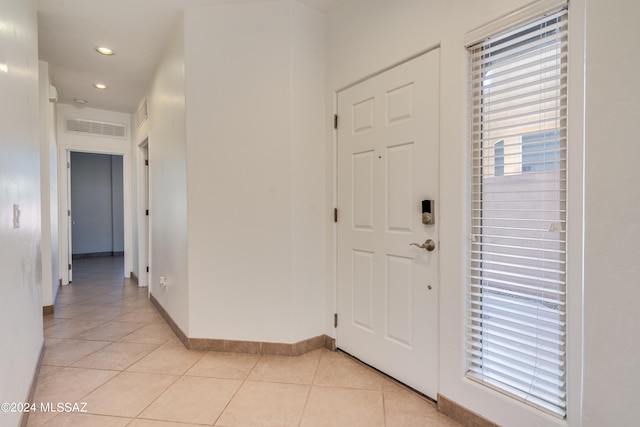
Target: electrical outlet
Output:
[(163, 283)]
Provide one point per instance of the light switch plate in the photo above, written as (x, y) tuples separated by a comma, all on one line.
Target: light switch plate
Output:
[(16, 216)]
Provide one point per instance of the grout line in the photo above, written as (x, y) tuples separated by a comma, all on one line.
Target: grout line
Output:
[(313, 380), (244, 380)]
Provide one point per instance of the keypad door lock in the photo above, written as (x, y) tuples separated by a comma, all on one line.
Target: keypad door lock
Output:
[(428, 212)]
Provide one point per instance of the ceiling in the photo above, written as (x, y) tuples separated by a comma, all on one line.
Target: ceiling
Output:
[(70, 30)]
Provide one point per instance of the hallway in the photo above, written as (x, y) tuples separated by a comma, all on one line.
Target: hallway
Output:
[(107, 346)]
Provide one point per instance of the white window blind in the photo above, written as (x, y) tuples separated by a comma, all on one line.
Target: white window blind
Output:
[(516, 290)]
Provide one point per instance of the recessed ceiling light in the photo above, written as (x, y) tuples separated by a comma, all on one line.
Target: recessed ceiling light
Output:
[(100, 86), (80, 101), (104, 50)]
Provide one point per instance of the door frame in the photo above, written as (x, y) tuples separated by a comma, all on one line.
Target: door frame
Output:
[(63, 201), (143, 221), (334, 194)]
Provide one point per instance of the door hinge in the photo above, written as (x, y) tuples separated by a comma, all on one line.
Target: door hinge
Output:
[(335, 320), (335, 214), (147, 268), (146, 162), (68, 212), (68, 165), (335, 121), (147, 212), (69, 267)]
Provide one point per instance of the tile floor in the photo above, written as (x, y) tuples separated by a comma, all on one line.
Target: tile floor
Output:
[(107, 346)]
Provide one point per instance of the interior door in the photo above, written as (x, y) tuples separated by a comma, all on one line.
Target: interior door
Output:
[(388, 151)]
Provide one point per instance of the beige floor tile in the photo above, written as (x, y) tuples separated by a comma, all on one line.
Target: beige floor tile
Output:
[(62, 311), (172, 359), (105, 301), (405, 409), (104, 314), (153, 423), (175, 340), (109, 331), (50, 342), (224, 365), (116, 356), (70, 384), (328, 406), (47, 370), (153, 333), (83, 289), (65, 385), (129, 290), (193, 400), (38, 419), (71, 298), (69, 328), (49, 320), (133, 301), (127, 394), (283, 369), (86, 420), (391, 385), (259, 404), (143, 314), (338, 370), (66, 352)]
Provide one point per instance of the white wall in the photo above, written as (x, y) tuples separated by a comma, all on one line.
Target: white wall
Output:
[(168, 180), (255, 167), (20, 262), (49, 190), (309, 209), (612, 215), (68, 142), (365, 37)]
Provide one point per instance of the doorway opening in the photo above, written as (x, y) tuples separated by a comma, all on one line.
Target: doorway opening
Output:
[(95, 207)]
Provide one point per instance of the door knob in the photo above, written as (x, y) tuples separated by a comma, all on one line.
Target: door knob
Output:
[(428, 245)]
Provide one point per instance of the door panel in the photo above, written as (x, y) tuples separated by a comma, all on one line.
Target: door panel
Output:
[(388, 144)]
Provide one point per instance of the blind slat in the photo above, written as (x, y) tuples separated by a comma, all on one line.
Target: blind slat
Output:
[(490, 139), (503, 356), (520, 257), (522, 62), (551, 355)]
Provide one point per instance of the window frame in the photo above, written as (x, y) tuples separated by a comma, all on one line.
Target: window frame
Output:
[(493, 164)]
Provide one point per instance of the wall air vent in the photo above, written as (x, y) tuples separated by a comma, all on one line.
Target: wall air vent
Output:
[(96, 128)]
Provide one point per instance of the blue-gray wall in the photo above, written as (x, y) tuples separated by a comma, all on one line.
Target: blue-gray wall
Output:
[(97, 203)]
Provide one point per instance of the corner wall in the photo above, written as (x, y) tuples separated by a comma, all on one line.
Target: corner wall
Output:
[(48, 190), (255, 171), (20, 256), (168, 181)]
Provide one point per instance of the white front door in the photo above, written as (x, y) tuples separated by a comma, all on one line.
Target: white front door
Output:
[(388, 158)]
